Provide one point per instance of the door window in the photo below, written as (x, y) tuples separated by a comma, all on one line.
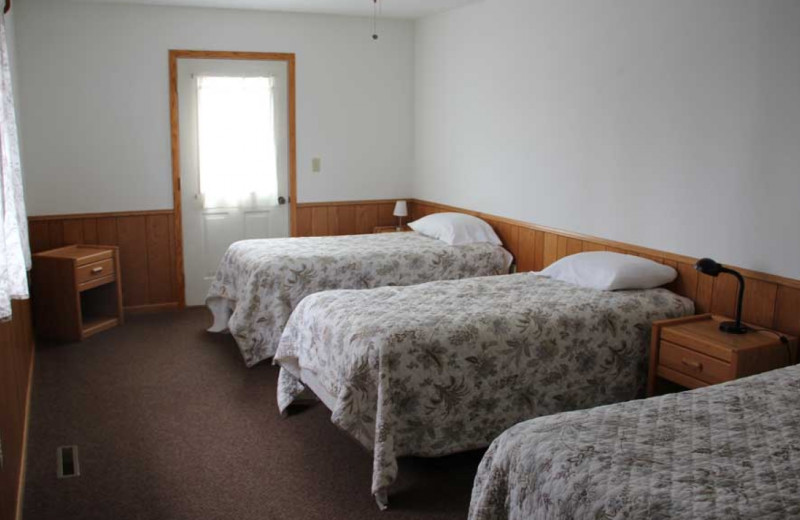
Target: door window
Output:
[(236, 142)]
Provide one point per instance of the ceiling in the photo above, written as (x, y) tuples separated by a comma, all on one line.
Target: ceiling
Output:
[(389, 8)]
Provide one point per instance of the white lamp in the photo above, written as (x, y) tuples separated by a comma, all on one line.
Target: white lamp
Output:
[(400, 211)]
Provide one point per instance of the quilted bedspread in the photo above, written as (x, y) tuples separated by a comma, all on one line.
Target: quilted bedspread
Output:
[(725, 451), (445, 367), (262, 281)]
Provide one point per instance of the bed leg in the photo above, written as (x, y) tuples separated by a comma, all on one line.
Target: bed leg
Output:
[(382, 499)]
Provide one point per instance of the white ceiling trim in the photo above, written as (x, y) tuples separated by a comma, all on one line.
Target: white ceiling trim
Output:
[(408, 9)]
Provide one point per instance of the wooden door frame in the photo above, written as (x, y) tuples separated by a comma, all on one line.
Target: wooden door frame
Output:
[(174, 56)]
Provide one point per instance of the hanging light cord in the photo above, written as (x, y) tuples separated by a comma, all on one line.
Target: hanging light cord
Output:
[(375, 12)]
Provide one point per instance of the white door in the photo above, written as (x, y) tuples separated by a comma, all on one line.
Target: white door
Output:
[(234, 160)]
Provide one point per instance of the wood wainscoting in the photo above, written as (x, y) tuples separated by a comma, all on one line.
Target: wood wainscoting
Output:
[(770, 301), (147, 244), (147, 250), (344, 218), (149, 273), (16, 370)]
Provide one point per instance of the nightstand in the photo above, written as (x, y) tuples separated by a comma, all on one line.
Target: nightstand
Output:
[(693, 352), (390, 229), (76, 291)]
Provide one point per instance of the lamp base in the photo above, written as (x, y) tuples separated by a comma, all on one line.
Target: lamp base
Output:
[(731, 327)]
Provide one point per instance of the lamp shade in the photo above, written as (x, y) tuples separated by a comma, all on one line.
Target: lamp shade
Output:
[(708, 266), (400, 209)]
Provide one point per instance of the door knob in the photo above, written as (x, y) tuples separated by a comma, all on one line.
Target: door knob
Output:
[(281, 200)]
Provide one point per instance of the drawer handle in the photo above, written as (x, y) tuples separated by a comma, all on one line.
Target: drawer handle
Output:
[(97, 270), (692, 364)]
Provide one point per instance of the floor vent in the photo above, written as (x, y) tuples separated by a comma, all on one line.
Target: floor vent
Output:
[(68, 465)]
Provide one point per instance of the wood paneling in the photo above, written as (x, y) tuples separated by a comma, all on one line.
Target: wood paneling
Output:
[(705, 291), (344, 218), (759, 300), (770, 301), (509, 235), (148, 252), (787, 304), (366, 218), (16, 368), (73, 231), (686, 284), (132, 242), (538, 253), (303, 221), (319, 221), (160, 259), (549, 249), (525, 256), (90, 231), (147, 243), (385, 216)]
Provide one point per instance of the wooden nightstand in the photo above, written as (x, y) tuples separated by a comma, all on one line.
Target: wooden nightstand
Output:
[(693, 352), (76, 291), (390, 229)]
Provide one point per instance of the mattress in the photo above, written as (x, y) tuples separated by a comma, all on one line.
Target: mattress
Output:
[(260, 282), (725, 451), (443, 367)]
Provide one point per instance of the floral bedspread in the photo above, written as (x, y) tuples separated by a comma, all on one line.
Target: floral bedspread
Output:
[(447, 366), (259, 282), (725, 451)]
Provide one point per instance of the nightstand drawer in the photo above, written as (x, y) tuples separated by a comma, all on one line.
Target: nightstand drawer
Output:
[(689, 362), (94, 271)]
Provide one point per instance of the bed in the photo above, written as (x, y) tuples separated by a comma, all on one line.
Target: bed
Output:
[(725, 451), (444, 367), (259, 282)]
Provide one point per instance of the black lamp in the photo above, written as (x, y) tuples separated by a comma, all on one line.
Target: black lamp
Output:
[(712, 268)]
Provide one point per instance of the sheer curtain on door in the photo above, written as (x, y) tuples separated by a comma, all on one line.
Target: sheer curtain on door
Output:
[(236, 141), (15, 255)]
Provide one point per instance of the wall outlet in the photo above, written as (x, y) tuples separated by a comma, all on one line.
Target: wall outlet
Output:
[(316, 165)]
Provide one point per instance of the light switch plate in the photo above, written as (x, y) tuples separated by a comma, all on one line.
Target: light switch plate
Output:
[(316, 165)]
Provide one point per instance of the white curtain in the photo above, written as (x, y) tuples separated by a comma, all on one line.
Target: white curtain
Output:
[(236, 141), (15, 255)]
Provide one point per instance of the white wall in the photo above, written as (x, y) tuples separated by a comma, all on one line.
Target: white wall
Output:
[(673, 124), (95, 113)]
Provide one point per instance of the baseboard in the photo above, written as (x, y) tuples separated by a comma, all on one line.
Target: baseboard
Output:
[(25, 431), (153, 307)]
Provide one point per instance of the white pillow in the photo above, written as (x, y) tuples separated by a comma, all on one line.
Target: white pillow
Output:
[(456, 229), (610, 271)]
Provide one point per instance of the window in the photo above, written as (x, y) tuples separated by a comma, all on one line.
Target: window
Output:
[(236, 141)]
